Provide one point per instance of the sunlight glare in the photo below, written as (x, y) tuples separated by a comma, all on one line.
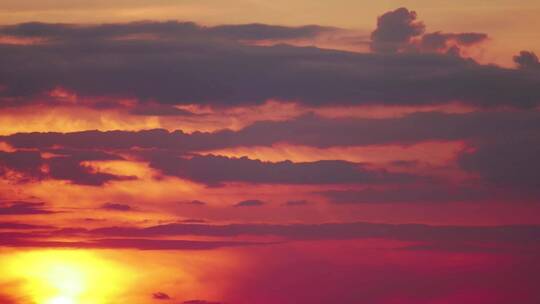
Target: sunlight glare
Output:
[(68, 276)]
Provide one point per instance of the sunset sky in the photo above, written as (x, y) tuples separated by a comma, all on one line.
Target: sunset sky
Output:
[(269, 152)]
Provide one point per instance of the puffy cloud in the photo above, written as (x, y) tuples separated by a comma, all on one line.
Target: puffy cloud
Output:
[(527, 60), (399, 30), (395, 29)]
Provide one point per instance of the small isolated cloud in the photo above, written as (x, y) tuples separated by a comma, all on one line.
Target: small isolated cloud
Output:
[(116, 207), (527, 60), (250, 203), (194, 203), (160, 296)]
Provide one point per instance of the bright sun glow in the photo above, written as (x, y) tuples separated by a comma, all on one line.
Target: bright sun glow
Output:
[(68, 276), (62, 300)]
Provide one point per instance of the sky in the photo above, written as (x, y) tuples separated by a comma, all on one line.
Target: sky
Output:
[(241, 152)]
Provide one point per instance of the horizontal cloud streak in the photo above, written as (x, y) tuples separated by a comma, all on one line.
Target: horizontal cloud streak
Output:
[(23, 208), (215, 170), (215, 69), (338, 231), (307, 130)]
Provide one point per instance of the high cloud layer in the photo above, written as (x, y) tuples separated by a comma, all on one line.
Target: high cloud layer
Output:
[(183, 63)]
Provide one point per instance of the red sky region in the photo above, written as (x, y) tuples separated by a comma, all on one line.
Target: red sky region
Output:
[(246, 152)]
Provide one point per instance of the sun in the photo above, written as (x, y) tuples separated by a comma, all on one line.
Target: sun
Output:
[(68, 276), (69, 279), (62, 300)]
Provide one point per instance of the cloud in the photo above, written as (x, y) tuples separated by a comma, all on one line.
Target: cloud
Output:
[(194, 203), (399, 31), (23, 208), (24, 240), (258, 31), (422, 193), (172, 153), (170, 29), (67, 166), (507, 161), (28, 162), (160, 237), (193, 221), (160, 296), (202, 69), (21, 226), (200, 302), (450, 42), (72, 170), (250, 203), (112, 140), (216, 170), (527, 60), (160, 110), (116, 207), (309, 130), (333, 231), (395, 29), (320, 132)]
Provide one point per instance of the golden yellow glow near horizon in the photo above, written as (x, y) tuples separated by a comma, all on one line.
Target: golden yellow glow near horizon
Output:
[(66, 276)]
